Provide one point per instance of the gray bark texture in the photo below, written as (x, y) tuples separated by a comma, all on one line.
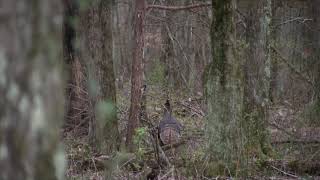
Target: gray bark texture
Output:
[(257, 71), (137, 73), (123, 40), (31, 90), (95, 51), (224, 92)]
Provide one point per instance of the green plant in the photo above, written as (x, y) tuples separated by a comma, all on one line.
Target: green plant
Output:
[(138, 140)]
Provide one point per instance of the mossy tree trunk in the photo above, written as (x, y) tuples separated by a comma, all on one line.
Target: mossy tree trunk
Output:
[(31, 89), (95, 51), (257, 75), (224, 92), (237, 92)]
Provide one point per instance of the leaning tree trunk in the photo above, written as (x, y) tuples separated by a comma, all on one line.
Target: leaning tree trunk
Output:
[(137, 73), (31, 90), (224, 92), (95, 41)]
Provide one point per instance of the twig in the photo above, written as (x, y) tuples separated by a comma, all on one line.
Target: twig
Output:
[(285, 173), (313, 155), (284, 60), (198, 112), (165, 175), (282, 129), (299, 19), (176, 8), (94, 164), (173, 40), (79, 88), (163, 155), (125, 163)]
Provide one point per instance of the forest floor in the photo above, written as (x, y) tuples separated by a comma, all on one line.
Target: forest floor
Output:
[(297, 149)]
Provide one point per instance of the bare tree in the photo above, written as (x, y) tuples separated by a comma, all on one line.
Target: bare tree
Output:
[(225, 92), (167, 55), (257, 73), (95, 51), (123, 40), (137, 72), (31, 89)]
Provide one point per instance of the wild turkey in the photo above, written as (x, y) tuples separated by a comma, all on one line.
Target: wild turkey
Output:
[(169, 127)]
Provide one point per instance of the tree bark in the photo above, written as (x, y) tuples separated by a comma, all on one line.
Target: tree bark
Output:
[(95, 51), (123, 41), (257, 74), (167, 55), (137, 73), (31, 89), (224, 93)]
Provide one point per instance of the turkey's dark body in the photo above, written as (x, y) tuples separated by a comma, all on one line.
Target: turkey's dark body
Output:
[(169, 127)]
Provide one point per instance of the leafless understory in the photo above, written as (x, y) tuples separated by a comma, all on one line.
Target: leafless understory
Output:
[(159, 89)]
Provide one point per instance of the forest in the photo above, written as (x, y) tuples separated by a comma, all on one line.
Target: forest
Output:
[(159, 89)]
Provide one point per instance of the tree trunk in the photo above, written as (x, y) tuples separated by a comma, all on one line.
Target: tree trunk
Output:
[(167, 55), (123, 41), (224, 93), (257, 74), (31, 89), (137, 73), (200, 46), (95, 40)]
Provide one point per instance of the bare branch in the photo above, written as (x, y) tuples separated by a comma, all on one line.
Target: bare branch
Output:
[(176, 8), (285, 173), (299, 19), (284, 60)]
